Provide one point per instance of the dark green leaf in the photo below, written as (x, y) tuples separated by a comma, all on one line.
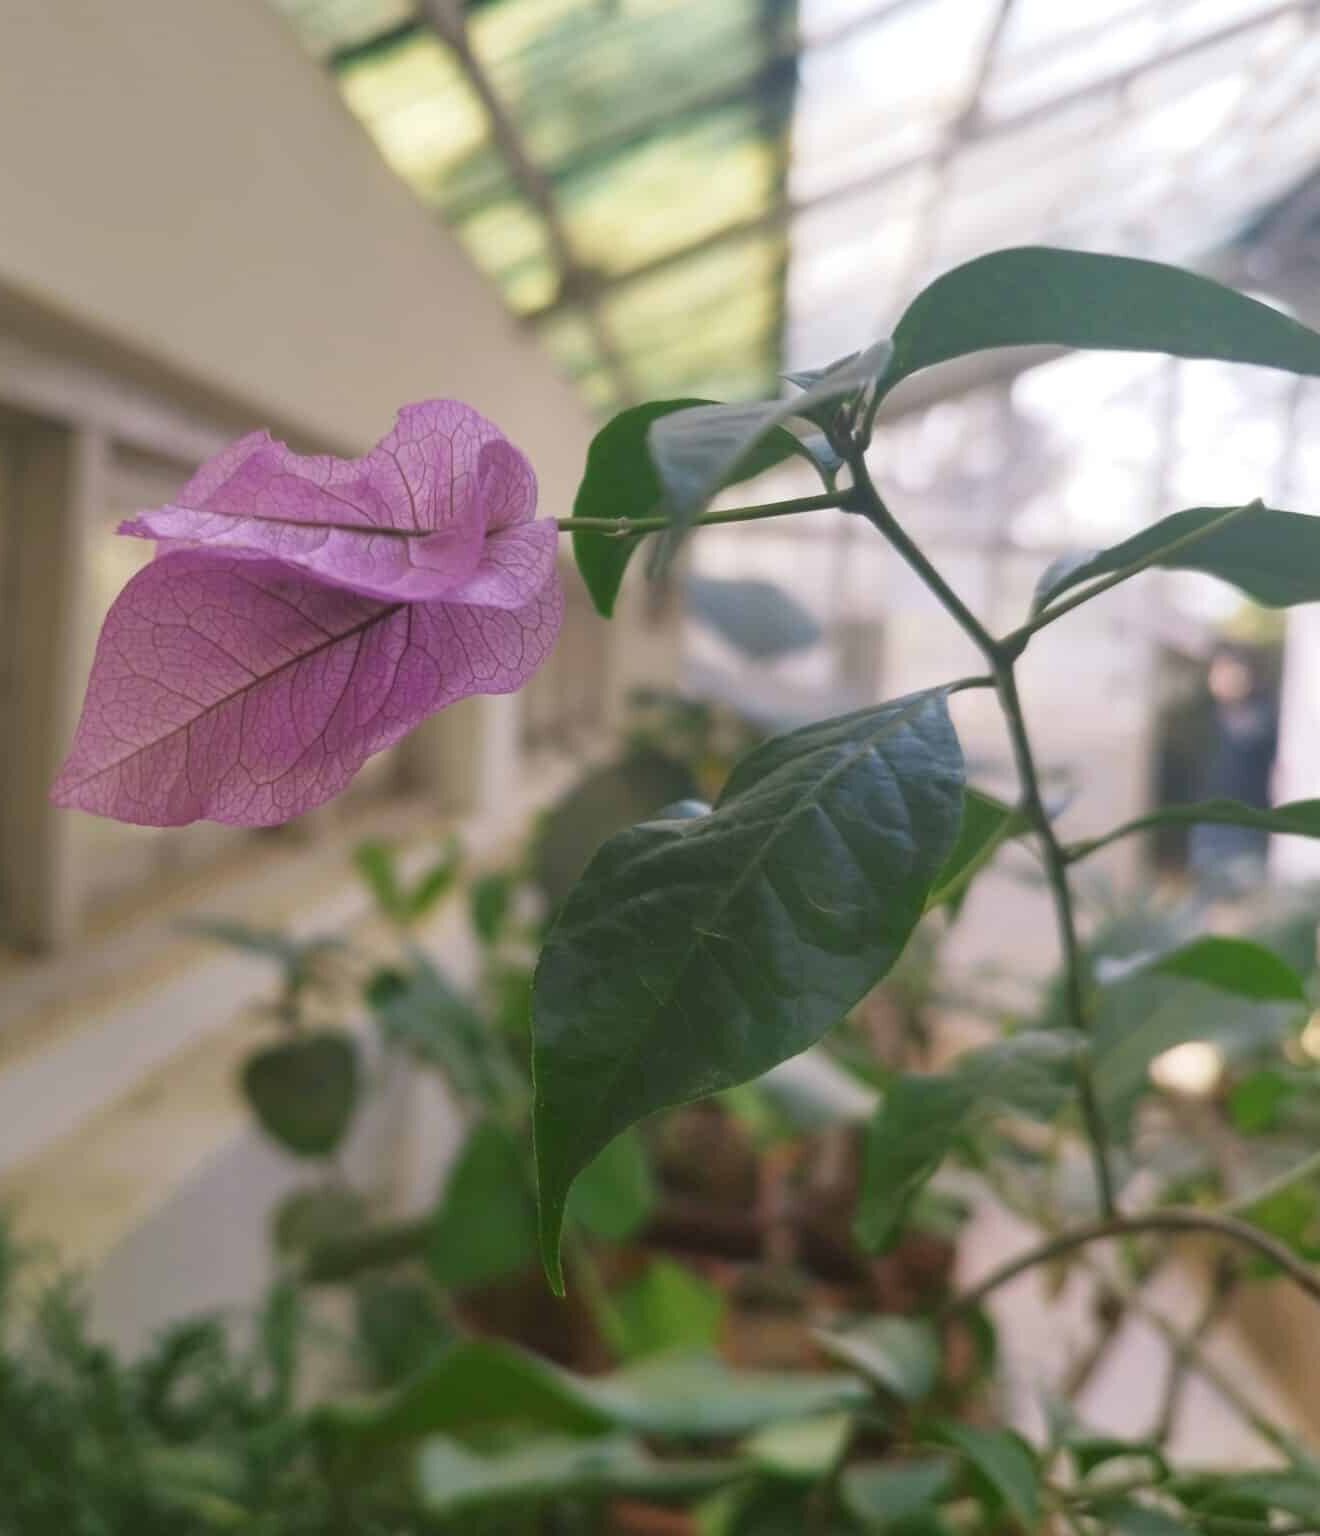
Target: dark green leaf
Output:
[(1092, 1451), (1006, 1464), (1272, 556), (922, 1117), (758, 618), (1038, 296), (309, 1217), (1255, 1102), (453, 1480), (488, 905), (696, 954), (620, 481), (987, 823), (485, 1225), (399, 1326), (901, 1355), (1239, 966), (303, 1091), (666, 1307), (884, 1497), (615, 1194), (699, 451)]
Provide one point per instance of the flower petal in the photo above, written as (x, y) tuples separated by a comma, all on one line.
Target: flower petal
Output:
[(406, 521), (235, 688), (515, 564)]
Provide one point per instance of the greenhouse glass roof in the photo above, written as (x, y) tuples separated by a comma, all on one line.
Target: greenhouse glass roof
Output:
[(688, 196)]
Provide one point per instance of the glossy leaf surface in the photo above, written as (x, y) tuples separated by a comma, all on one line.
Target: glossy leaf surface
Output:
[(697, 953)]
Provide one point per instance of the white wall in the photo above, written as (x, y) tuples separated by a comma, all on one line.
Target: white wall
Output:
[(177, 175)]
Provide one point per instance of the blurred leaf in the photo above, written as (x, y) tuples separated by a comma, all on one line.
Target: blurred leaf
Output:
[(309, 1217), (437, 881), (759, 618), (375, 863), (780, 909), (485, 1382), (620, 481), (399, 1326), (454, 1480), (484, 1227), (987, 823), (1232, 965), (1255, 1102), (901, 1355), (1006, 1465), (1299, 818), (294, 956), (303, 1091), (1272, 556), (604, 801), (886, 1496), (667, 1307), (922, 1117), (700, 450), (1125, 1517), (1037, 296), (1293, 1216), (489, 902), (800, 1450), (615, 1194), (1091, 1451)]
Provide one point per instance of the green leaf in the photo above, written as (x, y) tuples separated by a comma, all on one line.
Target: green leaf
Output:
[(295, 956), (666, 1307), (1240, 966), (900, 1355), (1272, 556), (620, 481), (304, 1091), (1038, 296), (802, 1450), (697, 953), (489, 902), (309, 1217), (375, 863), (759, 618), (1125, 1517), (922, 1117), (1092, 1451), (1300, 818), (485, 1225), (437, 881), (453, 1480), (615, 1194), (987, 823), (1006, 1465), (885, 1497), (700, 450), (604, 801), (484, 1383), (1256, 1102)]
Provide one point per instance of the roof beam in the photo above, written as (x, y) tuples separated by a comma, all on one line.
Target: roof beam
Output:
[(577, 283), (986, 130)]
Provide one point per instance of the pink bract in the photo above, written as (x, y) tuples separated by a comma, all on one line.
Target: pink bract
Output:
[(442, 507), (235, 687)]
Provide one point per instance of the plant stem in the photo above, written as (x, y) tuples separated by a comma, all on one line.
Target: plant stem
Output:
[(1173, 1218), (1001, 656), (1021, 635), (1074, 962), (1308, 1168), (1185, 1351), (626, 527)]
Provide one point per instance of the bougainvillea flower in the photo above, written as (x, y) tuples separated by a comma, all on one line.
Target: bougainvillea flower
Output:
[(246, 674), (440, 508)]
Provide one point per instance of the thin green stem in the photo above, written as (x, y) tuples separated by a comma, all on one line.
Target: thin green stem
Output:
[(874, 510), (1074, 960), (1019, 637), (1001, 656), (1173, 1218), (626, 527)]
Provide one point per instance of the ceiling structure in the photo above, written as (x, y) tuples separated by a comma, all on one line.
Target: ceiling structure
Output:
[(686, 197)]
